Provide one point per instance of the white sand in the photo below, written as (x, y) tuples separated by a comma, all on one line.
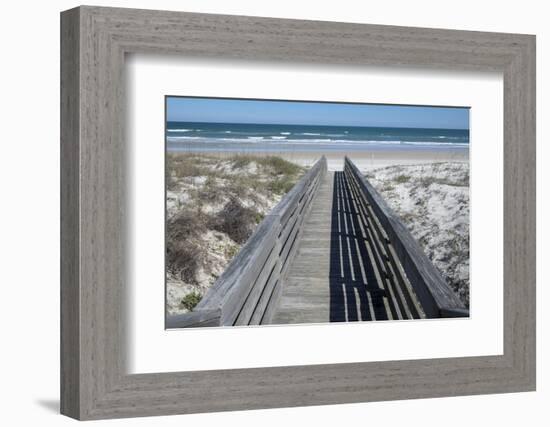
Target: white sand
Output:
[(437, 213), (217, 248), (433, 202), (217, 245)]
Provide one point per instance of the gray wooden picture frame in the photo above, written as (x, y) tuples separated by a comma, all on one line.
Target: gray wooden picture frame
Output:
[(94, 41)]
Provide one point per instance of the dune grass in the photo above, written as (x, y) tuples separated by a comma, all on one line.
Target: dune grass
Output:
[(216, 204), (432, 200)]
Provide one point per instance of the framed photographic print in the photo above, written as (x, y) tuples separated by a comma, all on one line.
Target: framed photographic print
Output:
[(271, 221), (346, 212)]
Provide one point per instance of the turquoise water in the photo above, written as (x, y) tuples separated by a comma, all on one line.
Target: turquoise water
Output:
[(235, 137)]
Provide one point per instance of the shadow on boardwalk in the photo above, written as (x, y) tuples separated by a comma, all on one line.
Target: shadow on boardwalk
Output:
[(355, 291), (345, 269)]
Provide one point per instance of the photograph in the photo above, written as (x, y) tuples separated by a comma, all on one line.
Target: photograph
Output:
[(313, 211), (302, 212)]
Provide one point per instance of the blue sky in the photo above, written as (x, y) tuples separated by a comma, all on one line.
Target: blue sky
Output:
[(313, 113)]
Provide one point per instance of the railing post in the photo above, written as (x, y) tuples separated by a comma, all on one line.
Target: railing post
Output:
[(248, 286), (435, 295)]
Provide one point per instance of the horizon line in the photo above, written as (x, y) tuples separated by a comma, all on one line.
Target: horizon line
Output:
[(309, 124)]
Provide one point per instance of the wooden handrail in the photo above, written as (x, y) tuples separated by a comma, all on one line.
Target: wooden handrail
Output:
[(247, 291), (435, 295)]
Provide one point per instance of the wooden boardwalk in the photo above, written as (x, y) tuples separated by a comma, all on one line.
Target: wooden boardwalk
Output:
[(343, 269), (330, 251), (306, 292)]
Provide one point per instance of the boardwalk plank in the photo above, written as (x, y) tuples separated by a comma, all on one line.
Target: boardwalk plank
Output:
[(306, 292), (338, 273)]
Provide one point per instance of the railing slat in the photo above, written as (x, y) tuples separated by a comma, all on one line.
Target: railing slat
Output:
[(250, 302), (435, 295), (247, 290), (194, 319)]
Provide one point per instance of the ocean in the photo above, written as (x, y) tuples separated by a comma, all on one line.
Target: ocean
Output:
[(236, 137)]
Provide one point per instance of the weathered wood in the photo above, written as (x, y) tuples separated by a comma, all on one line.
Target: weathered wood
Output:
[(343, 269), (70, 215), (290, 248), (305, 290), (245, 289), (454, 312), (400, 284), (194, 319), (431, 289), (267, 292), (95, 272), (247, 305), (232, 287)]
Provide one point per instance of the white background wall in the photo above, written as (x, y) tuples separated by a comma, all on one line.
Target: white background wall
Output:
[(29, 225)]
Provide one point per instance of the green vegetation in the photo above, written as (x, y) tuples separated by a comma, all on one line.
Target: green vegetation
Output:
[(240, 161), (184, 252), (181, 166), (215, 197), (432, 200), (191, 300), (281, 185), (231, 251), (235, 220), (465, 181), (402, 179), (280, 166)]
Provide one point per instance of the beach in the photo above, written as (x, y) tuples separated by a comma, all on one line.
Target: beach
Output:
[(427, 188), (378, 158), (422, 173), (366, 159), (433, 201), (368, 147), (213, 204)]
